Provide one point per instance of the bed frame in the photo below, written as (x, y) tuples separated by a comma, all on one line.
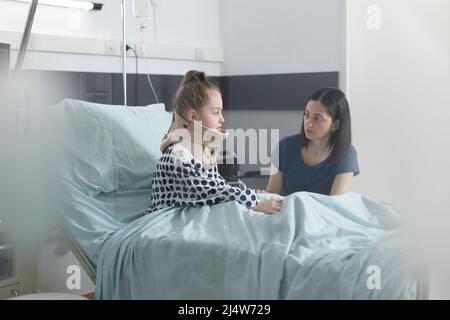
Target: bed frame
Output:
[(85, 262)]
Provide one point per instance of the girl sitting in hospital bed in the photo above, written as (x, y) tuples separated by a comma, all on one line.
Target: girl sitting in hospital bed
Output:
[(320, 158), (187, 173)]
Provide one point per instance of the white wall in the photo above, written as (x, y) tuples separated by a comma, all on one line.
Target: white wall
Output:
[(258, 36), (399, 96), (181, 26), (286, 36)]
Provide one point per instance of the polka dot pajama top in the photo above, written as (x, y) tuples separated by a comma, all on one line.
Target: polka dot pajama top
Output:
[(181, 180)]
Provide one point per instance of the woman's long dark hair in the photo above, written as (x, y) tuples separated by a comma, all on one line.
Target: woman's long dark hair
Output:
[(337, 107)]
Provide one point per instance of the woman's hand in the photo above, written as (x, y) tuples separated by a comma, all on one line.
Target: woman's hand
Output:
[(268, 206)]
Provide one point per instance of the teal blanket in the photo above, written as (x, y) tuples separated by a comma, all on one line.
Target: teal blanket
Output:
[(317, 247)]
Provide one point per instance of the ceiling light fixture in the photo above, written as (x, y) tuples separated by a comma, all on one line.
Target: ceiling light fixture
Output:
[(85, 5)]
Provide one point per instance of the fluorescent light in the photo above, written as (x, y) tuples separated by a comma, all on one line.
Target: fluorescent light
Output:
[(85, 5)]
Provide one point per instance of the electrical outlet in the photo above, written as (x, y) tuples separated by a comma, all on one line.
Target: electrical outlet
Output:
[(199, 54), (113, 47)]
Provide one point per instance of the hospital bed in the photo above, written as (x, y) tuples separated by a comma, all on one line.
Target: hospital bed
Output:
[(318, 247)]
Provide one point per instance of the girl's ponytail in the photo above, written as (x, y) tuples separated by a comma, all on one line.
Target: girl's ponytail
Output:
[(192, 92)]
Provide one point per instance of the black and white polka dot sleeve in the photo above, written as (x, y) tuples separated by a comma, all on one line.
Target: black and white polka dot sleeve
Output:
[(182, 181)]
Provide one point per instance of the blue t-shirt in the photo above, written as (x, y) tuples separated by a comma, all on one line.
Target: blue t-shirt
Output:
[(298, 176)]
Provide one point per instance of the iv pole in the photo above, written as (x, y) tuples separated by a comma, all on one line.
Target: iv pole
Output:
[(124, 55), (25, 37)]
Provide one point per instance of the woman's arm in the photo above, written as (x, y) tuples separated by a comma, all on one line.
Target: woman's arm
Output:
[(341, 183), (275, 184)]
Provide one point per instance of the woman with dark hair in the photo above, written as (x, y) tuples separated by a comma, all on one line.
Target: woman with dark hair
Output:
[(320, 158)]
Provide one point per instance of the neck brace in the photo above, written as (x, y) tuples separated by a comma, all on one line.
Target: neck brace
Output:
[(201, 141)]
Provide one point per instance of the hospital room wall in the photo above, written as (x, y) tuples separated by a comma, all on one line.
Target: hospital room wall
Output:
[(279, 37), (398, 81), (181, 26), (271, 37)]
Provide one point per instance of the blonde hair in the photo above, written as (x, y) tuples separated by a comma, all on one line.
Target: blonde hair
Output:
[(192, 92)]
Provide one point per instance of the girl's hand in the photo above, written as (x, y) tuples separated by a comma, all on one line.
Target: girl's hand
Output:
[(268, 206)]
